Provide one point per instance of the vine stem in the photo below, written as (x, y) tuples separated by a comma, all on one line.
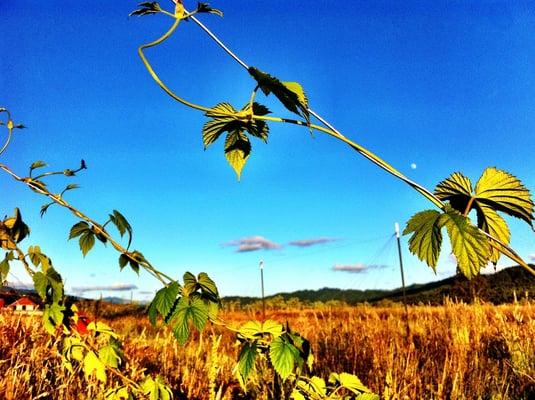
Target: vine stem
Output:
[(32, 184), (332, 131)]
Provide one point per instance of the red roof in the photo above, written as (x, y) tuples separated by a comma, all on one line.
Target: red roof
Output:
[(23, 301)]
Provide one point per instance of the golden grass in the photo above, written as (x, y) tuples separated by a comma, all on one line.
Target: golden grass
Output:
[(455, 351)]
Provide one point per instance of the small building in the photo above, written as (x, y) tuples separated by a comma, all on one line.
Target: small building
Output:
[(24, 304)]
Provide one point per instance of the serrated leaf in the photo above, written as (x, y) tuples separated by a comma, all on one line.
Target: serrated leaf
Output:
[(469, 245), (222, 121), (457, 189), (208, 286), (122, 225), (506, 193), (86, 242), (257, 127), (247, 358), (283, 356), (165, 299), (348, 381), (290, 94), (426, 240), (237, 150), (255, 329), (489, 221), (78, 229), (13, 231), (44, 208), (186, 310), (40, 283), (93, 365)]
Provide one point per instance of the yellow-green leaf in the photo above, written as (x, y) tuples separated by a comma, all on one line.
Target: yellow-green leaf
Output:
[(506, 193), (348, 381), (457, 189), (489, 221), (426, 240), (93, 365), (469, 245), (237, 150)]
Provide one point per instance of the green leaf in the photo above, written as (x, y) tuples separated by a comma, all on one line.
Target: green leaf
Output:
[(146, 8), (457, 189), (247, 358), (40, 283), (110, 356), (164, 299), (469, 245), (93, 365), (290, 94), (156, 389), (123, 260), (190, 284), (102, 328), (188, 309), (257, 127), (122, 225), (283, 356), (208, 286), (426, 240), (4, 270), (506, 193), (348, 381), (489, 221), (44, 208), (79, 229), (86, 242), (13, 230), (37, 164), (237, 150), (256, 329)]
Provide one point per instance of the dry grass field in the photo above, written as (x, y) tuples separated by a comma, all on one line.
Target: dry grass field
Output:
[(455, 351)]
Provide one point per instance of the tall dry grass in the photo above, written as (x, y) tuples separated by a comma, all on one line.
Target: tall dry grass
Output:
[(455, 351)]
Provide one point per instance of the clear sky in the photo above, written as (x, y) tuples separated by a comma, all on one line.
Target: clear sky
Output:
[(432, 87)]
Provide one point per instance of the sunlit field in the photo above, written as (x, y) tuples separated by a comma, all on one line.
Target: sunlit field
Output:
[(455, 351)]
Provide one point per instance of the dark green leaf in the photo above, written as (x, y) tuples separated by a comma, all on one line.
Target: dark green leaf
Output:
[(86, 242), (78, 229), (290, 94), (205, 8), (247, 358), (165, 298), (190, 284), (208, 286), (122, 225), (44, 208), (188, 309), (146, 8), (123, 260)]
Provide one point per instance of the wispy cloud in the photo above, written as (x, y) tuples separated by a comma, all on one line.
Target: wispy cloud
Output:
[(252, 243), (114, 287), (311, 242), (358, 267), (532, 257), (20, 285)]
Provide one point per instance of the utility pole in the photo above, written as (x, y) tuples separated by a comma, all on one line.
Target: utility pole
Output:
[(396, 227), (262, 284)]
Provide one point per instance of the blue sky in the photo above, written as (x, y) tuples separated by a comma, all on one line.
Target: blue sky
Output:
[(446, 87)]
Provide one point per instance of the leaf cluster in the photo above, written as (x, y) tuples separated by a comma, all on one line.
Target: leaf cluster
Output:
[(341, 386), (496, 191), (181, 306)]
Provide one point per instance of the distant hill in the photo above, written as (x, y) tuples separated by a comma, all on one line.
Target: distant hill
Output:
[(495, 288)]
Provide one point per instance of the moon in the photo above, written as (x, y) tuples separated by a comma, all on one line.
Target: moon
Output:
[(414, 166)]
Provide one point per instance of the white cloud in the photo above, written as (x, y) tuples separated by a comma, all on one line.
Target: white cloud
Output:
[(114, 287), (532, 257), (253, 243), (357, 268), (311, 242)]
